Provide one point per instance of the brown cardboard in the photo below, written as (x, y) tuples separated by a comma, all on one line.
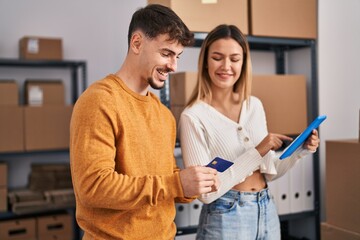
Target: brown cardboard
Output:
[(182, 85), (19, 229), (11, 129), (3, 199), (176, 111), (52, 92), (342, 184), (40, 48), (9, 92), (330, 232), (47, 127), (48, 227), (284, 18), (204, 15), (284, 101), (3, 174)]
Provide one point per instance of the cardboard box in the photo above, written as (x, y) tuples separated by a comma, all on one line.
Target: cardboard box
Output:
[(204, 15), (40, 48), (3, 174), (44, 92), (11, 129), (19, 229), (47, 127), (3, 199), (284, 18), (342, 184), (9, 93), (182, 85), (330, 232), (285, 102), (54, 227), (176, 111)]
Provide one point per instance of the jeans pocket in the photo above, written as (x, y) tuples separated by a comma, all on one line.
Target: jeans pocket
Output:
[(222, 205)]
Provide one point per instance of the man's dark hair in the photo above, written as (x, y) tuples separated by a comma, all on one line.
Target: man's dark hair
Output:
[(155, 19)]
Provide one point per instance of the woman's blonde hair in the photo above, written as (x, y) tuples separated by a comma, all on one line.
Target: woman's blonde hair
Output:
[(242, 86)]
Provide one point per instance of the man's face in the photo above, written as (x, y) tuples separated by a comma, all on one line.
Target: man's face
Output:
[(159, 57)]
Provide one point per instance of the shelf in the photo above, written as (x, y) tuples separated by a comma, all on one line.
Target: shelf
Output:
[(11, 215), (33, 153), (74, 66), (78, 82), (266, 43)]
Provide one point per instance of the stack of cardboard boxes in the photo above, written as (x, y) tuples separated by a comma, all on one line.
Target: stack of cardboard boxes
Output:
[(41, 124), (275, 18), (47, 118)]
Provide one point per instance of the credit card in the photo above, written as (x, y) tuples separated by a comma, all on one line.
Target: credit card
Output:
[(220, 164)]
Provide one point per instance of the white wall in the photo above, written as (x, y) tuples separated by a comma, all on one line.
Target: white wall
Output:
[(96, 31), (339, 75)]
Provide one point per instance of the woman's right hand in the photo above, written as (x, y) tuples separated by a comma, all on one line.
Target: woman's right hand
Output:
[(272, 141)]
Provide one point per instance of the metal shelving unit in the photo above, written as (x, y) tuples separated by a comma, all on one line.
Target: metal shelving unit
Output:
[(77, 70), (279, 46), (78, 78)]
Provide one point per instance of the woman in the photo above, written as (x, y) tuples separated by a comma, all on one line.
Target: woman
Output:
[(223, 120)]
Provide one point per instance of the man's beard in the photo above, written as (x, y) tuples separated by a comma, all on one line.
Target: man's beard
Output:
[(154, 85)]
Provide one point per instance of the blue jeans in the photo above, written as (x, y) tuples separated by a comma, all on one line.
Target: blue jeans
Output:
[(240, 215)]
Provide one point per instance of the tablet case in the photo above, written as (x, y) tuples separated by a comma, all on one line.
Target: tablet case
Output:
[(220, 164), (302, 137)]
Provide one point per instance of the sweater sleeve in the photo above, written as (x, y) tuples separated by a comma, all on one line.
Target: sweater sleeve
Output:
[(195, 152), (92, 153), (282, 166)]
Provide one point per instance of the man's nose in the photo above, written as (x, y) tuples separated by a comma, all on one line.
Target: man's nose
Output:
[(172, 65)]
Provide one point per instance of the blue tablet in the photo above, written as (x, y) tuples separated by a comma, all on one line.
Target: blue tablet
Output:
[(302, 137)]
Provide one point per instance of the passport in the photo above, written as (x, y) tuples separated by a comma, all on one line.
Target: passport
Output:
[(220, 164)]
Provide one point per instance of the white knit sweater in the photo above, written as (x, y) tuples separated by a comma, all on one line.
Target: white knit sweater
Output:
[(205, 134)]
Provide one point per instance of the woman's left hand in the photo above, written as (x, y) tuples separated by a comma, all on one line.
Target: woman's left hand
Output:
[(312, 143)]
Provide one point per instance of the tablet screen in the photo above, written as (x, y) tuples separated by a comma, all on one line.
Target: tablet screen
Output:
[(302, 137)]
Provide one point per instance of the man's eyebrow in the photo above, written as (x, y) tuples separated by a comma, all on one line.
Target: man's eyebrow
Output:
[(171, 51)]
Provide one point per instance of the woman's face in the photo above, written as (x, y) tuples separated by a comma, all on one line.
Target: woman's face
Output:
[(225, 59)]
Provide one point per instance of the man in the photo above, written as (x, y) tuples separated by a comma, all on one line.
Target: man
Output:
[(122, 140)]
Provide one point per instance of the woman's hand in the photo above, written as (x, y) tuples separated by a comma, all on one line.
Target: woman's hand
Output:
[(272, 141), (312, 143)]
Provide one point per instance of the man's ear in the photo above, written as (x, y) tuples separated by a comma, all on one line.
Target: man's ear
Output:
[(136, 42)]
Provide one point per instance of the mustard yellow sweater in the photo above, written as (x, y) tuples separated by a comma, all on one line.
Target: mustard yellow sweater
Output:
[(123, 169)]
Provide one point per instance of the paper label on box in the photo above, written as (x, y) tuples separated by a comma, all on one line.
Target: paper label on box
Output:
[(35, 96), (209, 1), (33, 45)]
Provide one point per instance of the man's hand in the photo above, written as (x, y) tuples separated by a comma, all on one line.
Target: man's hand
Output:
[(197, 180)]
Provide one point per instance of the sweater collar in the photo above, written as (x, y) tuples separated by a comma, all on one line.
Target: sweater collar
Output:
[(140, 97)]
